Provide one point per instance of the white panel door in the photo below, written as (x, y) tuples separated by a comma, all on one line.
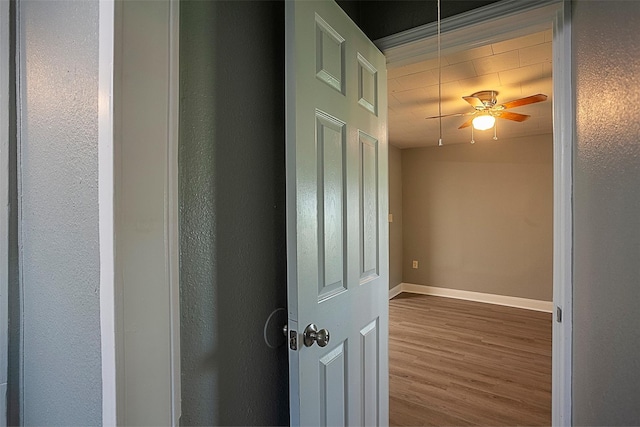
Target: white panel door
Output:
[(337, 226)]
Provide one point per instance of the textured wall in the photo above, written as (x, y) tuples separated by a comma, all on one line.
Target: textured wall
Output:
[(480, 217), (59, 212), (606, 290), (13, 374), (232, 223), (395, 208)]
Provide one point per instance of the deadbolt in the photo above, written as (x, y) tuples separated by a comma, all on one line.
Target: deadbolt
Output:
[(312, 334)]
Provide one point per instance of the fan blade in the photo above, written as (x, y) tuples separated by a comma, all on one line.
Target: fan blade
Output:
[(450, 115), (516, 117), (474, 101), (466, 124), (524, 101)]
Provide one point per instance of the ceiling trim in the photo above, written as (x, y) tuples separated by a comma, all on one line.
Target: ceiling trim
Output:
[(489, 24)]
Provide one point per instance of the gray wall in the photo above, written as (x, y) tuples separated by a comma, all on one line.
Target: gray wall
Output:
[(58, 81), (395, 208), (232, 223), (479, 217), (606, 290)]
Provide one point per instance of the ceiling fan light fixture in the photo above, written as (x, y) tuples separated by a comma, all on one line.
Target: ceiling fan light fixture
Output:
[(484, 122)]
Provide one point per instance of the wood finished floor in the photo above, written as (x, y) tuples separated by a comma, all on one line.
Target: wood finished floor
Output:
[(460, 363)]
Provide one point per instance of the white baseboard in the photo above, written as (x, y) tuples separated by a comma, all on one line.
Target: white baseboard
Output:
[(529, 304), (396, 290)]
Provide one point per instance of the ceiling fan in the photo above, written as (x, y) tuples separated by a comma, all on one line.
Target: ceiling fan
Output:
[(487, 109)]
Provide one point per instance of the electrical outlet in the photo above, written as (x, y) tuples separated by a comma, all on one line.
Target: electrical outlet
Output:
[(415, 264)]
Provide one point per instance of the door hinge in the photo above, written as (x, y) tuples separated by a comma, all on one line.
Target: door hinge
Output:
[(558, 315), (293, 340)]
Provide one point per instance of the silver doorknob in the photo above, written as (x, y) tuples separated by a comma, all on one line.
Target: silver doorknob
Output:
[(312, 334)]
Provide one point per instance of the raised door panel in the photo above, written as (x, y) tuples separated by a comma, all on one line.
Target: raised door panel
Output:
[(367, 85), (333, 387), (330, 52), (369, 342), (330, 143), (369, 239)]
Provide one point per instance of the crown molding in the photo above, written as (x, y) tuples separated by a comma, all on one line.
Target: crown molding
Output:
[(489, 24)]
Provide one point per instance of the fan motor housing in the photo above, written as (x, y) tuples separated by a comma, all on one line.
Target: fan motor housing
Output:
[(488, 97)]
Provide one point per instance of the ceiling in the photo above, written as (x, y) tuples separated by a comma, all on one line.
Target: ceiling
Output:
[(515, 68)]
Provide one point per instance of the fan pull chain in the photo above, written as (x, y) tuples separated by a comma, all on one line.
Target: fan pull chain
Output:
[(495, 131), (439, 81), (473, 141)]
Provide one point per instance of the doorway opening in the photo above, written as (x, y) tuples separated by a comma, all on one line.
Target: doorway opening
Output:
[(512, 56)]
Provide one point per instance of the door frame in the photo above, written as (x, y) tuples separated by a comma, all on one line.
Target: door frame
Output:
[(5, 64), (138, 139), (494, 23)]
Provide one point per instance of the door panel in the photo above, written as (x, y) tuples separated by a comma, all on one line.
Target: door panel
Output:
[(367, 85), (333, 387), (336, 203), (329, 55), (330, 141), (368, 206), (370, 365)]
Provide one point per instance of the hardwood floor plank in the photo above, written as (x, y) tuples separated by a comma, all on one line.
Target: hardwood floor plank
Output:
[(456, 362)]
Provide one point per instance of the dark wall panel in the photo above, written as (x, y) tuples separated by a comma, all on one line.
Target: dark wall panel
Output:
[(232, 223)]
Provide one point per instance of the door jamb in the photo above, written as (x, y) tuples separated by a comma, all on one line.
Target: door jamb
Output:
[(5, 65), (118, 214), (106, 229), (490, 24)]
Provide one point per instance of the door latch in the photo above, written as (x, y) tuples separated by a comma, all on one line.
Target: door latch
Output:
[(293, 340), (293, 337)]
